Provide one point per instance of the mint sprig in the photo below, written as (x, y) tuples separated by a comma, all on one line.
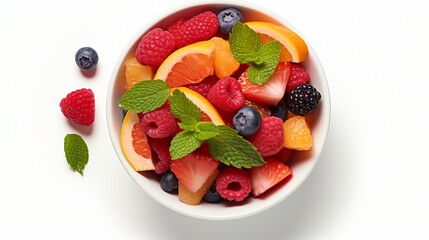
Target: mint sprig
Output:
[(231, 149), (145, 96), (225, 144), (76, 152), (247, 48)]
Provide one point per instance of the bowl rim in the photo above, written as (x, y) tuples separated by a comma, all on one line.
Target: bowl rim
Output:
[(115, 142)]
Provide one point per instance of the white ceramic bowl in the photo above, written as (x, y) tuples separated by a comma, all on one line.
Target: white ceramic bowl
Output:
[(302, 163)]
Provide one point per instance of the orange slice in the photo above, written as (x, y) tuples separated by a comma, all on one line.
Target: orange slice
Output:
[(135, 72), (208, 112), (294, 48), (224, 62), (187, 65), (297, 134), (134, 143)]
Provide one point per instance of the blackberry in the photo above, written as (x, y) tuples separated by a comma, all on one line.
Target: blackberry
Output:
[(303, 100)]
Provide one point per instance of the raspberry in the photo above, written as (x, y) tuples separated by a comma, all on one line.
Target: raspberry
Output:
[(161, 154), (226, 95), (198, 28), (269, 138), (298, 77), (176, 26), (159, 123), (233, 184), (204, 86), (154, 47), (79, 106)]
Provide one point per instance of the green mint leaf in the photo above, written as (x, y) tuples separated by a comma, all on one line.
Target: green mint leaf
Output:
[(232, 149), (76, 152), (181, 106), (244, 43), (183, 143), (267, 59), (205, 130), (145, 96), (188, 123)]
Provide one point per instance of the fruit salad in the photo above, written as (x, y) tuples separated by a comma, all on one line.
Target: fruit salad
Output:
[(216, 105)]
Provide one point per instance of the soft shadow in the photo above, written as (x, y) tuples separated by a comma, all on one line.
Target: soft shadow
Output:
[(85, 130), (89, 74)]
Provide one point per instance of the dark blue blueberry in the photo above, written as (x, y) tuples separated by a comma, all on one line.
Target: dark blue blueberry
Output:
[(212, 195), (247, 121), (227, 18), (86, 59), (279, 111), (168, 181)]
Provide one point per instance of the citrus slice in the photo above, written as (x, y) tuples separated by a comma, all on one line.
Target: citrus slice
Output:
[(208, 112), (134, 143), (297, 134), (135, 72), (224, 62), (187, 65), (293, 49)]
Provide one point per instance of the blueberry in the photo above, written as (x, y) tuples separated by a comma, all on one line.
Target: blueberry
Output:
[(168, 181), (86, 59), (227, 18), (279, 111), (247, 121), (212, 195)]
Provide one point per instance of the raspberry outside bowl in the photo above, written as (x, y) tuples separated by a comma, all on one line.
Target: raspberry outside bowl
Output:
[(302, 163)]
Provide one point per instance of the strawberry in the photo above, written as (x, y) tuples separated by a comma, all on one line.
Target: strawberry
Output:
[(79, 106), (271, 92), (194, 169), (198, 28), (266, 176)]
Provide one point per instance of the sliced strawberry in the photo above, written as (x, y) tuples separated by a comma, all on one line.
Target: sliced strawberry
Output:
[(194, 169), (266, 176), (271, 92)]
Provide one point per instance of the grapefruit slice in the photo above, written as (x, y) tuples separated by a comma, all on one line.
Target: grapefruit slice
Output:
[(187, 65), (208, 112), (134, 143), (293, 47)]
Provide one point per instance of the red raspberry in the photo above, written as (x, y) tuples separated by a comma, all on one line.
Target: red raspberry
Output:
[(159, 123), (226, 95), (298, 77), (269, 138), (79, 106), (199, 28), (154, 47), (161, 154), (233, 184), (204, 86), (176, 26)]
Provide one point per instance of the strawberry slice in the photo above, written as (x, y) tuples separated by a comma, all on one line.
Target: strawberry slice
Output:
[(271, 92), (194, 169), (266, 176)]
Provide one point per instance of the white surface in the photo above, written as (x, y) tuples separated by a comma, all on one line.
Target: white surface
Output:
[(371, 180)]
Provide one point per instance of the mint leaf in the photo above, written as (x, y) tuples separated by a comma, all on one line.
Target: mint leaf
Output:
[(205, 130), (266, 62), (181, 106), (183, 143), (76, 152), (188, 123), (231, 149), (244, 43), (145, 96)]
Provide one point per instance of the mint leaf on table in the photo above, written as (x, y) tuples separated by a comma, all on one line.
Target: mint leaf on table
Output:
[(231, 149), (183, 143), (247, 48), (76, 152), (181, 106), (145, 96)]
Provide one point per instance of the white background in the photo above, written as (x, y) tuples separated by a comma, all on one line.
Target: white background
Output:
[(371, 182)]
